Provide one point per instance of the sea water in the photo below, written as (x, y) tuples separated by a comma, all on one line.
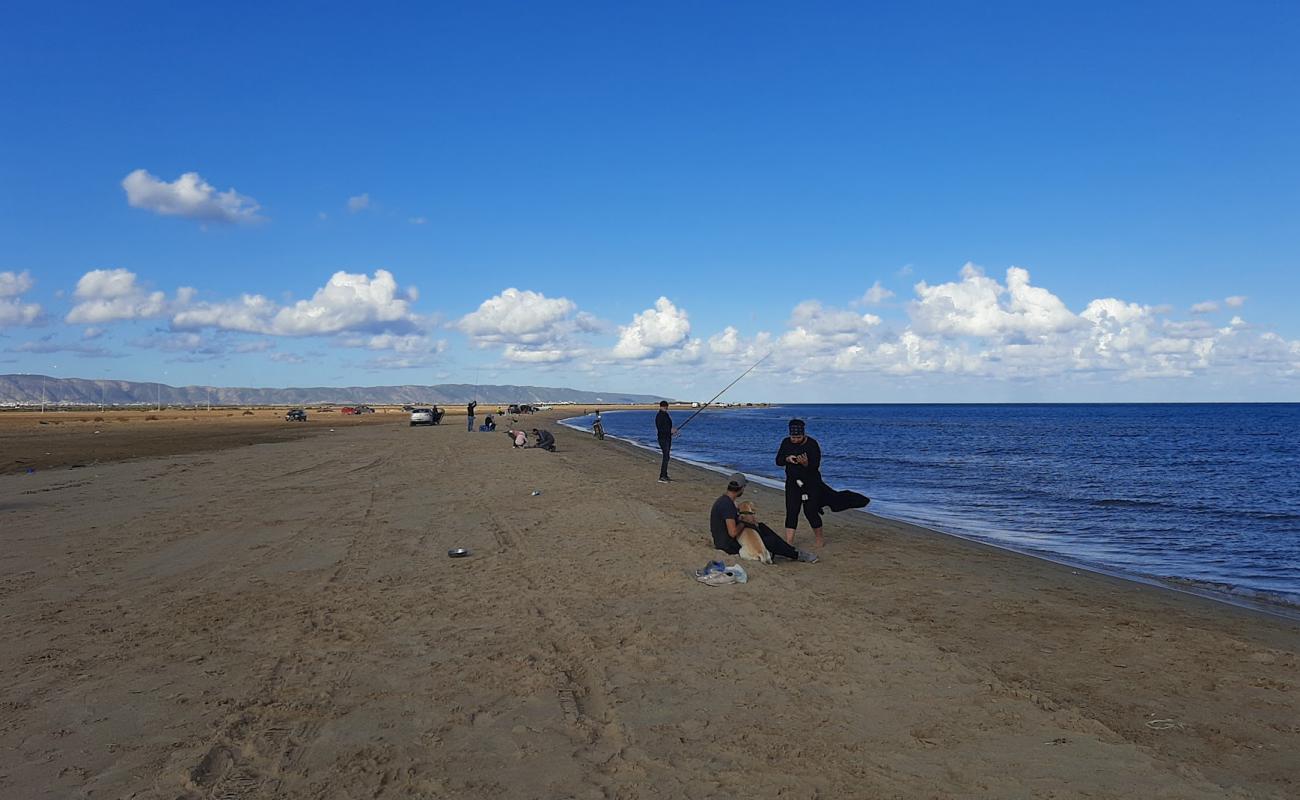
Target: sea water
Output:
[(1205, 496)]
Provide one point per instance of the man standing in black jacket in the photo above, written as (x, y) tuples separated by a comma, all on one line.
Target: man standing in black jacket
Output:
[(802, 458), (664, 427)]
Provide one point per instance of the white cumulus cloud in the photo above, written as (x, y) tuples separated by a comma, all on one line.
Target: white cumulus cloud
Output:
[(109, 295), (1236, 301), (978, 327), (978, 305), (876, 295), (653, 331), (188, 196), (13, 311), (530, 327), (520, 317), (358, 202), (1207, 307), (346, 303)]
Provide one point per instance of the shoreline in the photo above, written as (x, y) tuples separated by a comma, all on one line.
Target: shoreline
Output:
[(1264, 603)]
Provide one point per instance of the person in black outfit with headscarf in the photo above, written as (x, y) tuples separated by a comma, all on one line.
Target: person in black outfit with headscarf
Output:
[(664, 427), (802, 458)]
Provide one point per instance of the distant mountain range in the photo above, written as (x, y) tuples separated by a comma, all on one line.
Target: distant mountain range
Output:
[(28, 390)]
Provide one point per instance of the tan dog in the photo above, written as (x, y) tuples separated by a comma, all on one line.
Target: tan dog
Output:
[(751, 544)]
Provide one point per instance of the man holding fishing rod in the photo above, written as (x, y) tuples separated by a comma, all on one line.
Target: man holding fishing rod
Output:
[(664, 423), (664, 428)]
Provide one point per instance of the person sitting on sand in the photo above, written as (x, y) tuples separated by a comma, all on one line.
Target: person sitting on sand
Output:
[(544, 439), (726, 523), (489, 424)]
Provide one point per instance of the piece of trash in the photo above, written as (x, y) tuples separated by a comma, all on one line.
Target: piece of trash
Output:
[(709, 568), (331, 430), (1162, 724), (536, 492), (457, 552), (31, 471)]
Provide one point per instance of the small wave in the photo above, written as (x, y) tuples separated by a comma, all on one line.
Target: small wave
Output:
[(1121, 502)]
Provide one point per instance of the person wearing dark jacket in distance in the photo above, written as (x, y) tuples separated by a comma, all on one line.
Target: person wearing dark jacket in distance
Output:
[(665, 431), (802, 458), (545, 439)]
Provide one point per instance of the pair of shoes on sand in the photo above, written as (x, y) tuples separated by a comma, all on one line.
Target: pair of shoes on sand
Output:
[(808, 557), (665, 480)]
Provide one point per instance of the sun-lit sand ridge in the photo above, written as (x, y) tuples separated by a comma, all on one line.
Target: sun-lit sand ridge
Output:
[(282, 620)]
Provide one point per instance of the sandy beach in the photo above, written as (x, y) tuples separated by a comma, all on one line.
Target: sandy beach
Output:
[(275, 615)]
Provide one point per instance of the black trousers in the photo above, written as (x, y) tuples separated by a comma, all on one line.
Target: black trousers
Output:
[(794, 501), (665, 444), (774, 542)]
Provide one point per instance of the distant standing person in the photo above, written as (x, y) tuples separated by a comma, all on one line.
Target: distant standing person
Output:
[(598, 428), (664, 427), (469, 412), (802, 458)]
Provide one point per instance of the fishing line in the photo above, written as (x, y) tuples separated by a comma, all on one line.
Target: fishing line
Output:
[(725, 388)]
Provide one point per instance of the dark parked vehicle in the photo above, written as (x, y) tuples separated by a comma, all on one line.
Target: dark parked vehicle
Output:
[(296, 415)]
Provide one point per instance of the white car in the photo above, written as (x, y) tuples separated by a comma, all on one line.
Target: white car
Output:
[(422, 416)]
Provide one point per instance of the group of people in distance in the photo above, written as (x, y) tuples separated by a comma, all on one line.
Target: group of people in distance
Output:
[(543, 439)]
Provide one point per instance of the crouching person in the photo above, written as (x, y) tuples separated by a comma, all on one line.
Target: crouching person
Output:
[(545, 440), (752, 540)]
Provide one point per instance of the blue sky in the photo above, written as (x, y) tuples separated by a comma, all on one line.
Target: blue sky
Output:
[(1084, 202)]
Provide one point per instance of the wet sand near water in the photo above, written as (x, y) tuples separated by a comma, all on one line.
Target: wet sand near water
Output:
[(282, 620)]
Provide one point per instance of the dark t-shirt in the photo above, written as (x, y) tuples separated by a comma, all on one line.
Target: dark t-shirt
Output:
[(469, 409), (724, 508)]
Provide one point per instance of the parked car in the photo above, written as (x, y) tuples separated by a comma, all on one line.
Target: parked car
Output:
[(426, 416), (296, 415)]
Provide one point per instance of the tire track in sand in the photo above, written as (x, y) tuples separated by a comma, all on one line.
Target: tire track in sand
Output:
[(260, 746), (577, 674)]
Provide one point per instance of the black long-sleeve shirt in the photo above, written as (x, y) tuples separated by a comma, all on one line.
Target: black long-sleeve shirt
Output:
[(794, 472), (664, 424)]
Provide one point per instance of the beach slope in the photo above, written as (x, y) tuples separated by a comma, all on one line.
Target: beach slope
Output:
[(282, 620)]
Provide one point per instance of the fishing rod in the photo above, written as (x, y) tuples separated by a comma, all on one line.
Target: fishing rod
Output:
[(728, 386)]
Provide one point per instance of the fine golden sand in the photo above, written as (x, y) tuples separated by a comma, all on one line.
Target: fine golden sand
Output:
[(187, 618)]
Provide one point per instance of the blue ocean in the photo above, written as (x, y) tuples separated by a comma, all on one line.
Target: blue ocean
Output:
[(1201, 496)]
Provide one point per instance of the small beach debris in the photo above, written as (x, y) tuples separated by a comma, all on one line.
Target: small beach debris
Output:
[(1162, 724), (716, 573), (457, 552), (536, 492)]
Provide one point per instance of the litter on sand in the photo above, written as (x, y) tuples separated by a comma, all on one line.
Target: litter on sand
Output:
[(457, 552), (716, 573), (536, 492)]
